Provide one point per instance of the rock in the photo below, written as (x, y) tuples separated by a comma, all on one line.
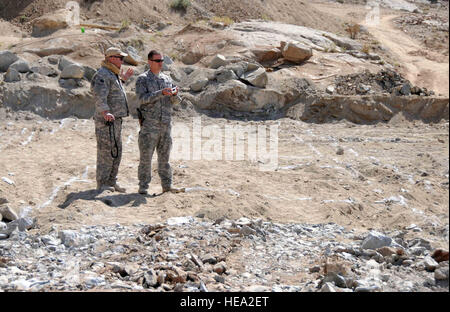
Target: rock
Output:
[(257, 78), (340, 151), (44, 70), (376, 240), (10, 228), (224, 74), (387, 251), (12, 75), (218, 61), (337, 279), (24, 224), (8, 213), (267, 54), (133, 57), (70, 83), (167, 62), (199, 84), (6, 59), (330, 89), (72, 239), (406, 89), (1, 217), (257, 288), (209, 258), (220, 267), (49, 240), (219, 279), (54, 59), (21, 66), (176, 275), (150, 279), (65, 62), (296, 52), (372, 288), (3, 226), (430, 264), (3, 201), (441, 273), (343, 42), (314, 269), (440, 255), (73, 71), (89, 72), (327, 287), (191, 57), (246, 231), (49, 23), (3, 236)]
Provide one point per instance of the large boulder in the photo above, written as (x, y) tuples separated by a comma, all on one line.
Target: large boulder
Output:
[(73, 71), (44, 70), (21, 66), (296, 52), (218, 61), (6, 59), (12, 75), (225, 74), (191, 57), (49, 23), (199, 84), (64, 62), (257, 78), (375, 240)]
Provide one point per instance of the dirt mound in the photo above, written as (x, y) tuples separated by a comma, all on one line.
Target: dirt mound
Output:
[(146, 12), (385, 81)]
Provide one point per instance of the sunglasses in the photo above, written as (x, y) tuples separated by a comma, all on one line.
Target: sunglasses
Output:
[(157, 61), (117, 56)]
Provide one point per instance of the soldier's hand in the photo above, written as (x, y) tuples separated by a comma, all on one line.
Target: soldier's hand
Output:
[(127, 75), (108, 116), (167, 91), (175, 90)]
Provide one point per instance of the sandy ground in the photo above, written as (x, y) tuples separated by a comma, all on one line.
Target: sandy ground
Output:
[(389, 176)]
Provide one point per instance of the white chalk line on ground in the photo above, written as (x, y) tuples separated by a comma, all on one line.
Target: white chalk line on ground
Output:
[(67, 183)]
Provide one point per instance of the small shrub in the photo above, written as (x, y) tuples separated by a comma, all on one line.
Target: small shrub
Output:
[(265, 17), (353, 30), (181, 5), (366, 49), (224, 19), (124, 25)]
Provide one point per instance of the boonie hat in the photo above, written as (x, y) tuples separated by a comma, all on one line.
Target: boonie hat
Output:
[(114, 51)]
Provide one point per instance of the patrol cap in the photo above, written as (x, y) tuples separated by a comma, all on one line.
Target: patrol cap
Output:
[(114, 51)]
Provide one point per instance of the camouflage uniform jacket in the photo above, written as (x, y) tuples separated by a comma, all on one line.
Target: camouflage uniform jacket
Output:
[(109, 94), (154, 105)]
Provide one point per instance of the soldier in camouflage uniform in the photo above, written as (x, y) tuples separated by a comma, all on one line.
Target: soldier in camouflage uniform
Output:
[(156, 93), (110, 107)]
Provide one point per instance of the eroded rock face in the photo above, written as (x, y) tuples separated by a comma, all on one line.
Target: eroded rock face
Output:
[(48, 24)]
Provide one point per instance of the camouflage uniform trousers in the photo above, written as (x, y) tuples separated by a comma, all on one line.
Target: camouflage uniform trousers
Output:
[(107, 166), (155, 135)]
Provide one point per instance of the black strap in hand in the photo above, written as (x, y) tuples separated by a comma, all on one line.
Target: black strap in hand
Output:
[(116, 146)]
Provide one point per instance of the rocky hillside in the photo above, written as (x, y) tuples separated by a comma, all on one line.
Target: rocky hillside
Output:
[(357, 195)]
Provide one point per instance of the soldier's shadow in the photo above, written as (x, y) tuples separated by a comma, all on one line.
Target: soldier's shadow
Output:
[(110, 199)]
